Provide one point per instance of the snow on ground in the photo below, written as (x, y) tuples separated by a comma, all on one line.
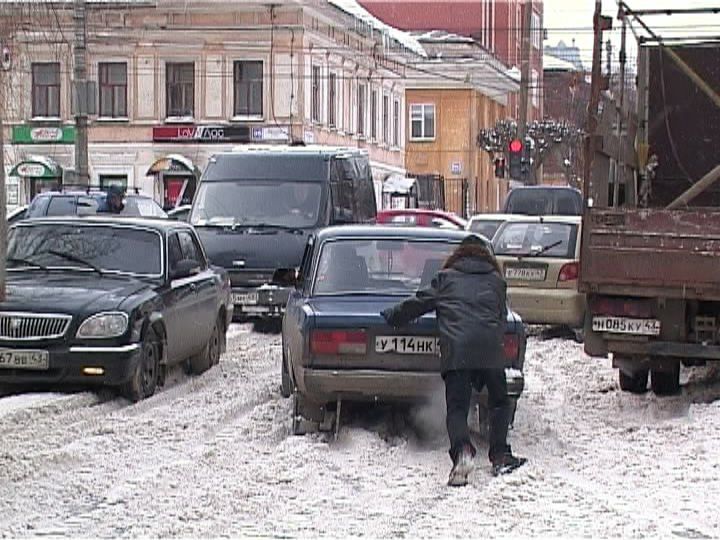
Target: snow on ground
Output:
[(212, 456)]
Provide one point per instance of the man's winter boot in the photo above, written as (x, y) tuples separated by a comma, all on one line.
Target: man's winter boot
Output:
[(462, 467), (506, 463)]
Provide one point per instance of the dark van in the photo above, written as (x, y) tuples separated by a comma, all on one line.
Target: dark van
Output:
[(544, 201), (255, 208)]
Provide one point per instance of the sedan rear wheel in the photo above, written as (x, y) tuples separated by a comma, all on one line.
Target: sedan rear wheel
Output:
[(287, 385), (145, 377)]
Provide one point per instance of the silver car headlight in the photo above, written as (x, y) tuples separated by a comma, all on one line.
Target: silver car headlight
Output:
[(103, 325)]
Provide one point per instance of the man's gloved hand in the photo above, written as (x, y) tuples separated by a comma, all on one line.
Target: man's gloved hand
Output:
[(388, 316)]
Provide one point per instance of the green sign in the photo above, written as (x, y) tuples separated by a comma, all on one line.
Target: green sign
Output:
[(43, 134), (37, 167)]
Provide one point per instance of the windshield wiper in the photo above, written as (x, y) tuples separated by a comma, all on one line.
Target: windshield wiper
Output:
[(545, 249), (74, 258), (28, 262)]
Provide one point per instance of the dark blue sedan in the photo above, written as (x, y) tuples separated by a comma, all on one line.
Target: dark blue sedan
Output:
[(336, 345)]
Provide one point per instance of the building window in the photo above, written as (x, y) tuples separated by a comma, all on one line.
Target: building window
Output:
[(362, 91), (116, 180), (180, 86), (316, 93), (534, 87), (422, 122), (535, 30), (46, 90), (248, 79), (373, 115), (113, 89), (386, 118), (332, 100), (396, 123)]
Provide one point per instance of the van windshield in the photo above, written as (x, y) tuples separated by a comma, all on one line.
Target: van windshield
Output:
[(257, 203)]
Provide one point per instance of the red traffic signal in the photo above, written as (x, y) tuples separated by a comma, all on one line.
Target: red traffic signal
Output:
[(516, 146)]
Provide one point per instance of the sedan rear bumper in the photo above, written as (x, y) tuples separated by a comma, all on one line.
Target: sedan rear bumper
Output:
[(326, 385), (548, 306), (94, 365)]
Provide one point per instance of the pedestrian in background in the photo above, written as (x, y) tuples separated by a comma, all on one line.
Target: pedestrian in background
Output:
[(469, 296)]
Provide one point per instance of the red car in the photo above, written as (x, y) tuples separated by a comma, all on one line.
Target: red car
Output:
[(416, 217)]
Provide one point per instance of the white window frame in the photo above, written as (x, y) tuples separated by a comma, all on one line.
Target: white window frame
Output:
[(419, 109), (396, 119), (362, 102), (536, 30), (374, 132), (386, 118), (316, 94), (252, 117), (332, 100)]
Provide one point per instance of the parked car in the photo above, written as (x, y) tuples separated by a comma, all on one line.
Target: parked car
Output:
[(544, 201), (180, 213), (256, 206), (416, 217), (85, 203), (109, 301), (488, 224), (17, 214), (540, 260), (336, 345)]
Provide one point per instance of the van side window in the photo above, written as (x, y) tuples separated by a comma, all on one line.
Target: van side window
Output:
[(364, 193), (341, 188)]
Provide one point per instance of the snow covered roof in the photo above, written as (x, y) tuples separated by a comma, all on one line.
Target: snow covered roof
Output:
[(352, 7), (440, 36), (553, 63)]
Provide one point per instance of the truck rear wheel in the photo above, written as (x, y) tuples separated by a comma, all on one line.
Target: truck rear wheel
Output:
[(666, 383), (635, 382)]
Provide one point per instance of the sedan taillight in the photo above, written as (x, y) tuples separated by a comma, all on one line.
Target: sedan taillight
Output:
[(569, 272), (338, 342), (511, 346)]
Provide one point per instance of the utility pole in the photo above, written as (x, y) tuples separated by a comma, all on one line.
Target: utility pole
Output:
[(3, 204), (525, 78), (620, 165), (600, 23), (81, 94)]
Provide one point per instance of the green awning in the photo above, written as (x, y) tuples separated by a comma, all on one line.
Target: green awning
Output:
[(41, 167)]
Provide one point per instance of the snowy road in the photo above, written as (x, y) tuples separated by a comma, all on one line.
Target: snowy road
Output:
[(212, 456)]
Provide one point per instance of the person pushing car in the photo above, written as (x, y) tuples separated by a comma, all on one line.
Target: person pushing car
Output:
[(469, 296)]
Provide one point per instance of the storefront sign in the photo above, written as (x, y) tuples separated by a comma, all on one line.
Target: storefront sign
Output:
[(43, 135), (202, 134), (271, 134), (31, 170), (456, 167)]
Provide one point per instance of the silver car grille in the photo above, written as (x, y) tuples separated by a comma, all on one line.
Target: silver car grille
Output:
[(33, 326)]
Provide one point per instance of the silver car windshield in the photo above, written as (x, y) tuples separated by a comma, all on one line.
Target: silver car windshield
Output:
[(378, 266), (124, 250)]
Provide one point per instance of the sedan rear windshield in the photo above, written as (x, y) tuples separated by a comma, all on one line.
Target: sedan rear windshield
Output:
[(378, 266), (112, 249), (537, 239), (486, 227)]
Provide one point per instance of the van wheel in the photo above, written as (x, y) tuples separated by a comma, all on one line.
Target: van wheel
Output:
[(666, 383), (635, 383)]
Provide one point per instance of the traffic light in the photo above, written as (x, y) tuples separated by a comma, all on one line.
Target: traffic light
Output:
[(516, 158), (499, 167)]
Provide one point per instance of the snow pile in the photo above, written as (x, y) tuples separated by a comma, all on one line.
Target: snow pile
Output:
[(212, 456)]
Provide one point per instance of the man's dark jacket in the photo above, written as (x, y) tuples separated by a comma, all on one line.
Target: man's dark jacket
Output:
[(470, 300)]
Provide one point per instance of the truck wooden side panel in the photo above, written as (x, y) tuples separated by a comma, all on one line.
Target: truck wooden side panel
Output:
[(651, 253)]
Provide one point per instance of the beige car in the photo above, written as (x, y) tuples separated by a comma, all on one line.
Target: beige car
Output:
[(539, 257)]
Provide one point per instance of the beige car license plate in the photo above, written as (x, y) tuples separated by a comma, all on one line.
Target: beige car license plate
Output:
[(525, 273), (626, 325), (407, 344), (14, 359)]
